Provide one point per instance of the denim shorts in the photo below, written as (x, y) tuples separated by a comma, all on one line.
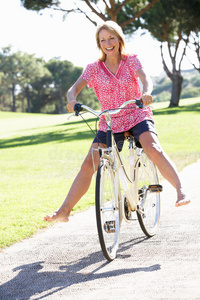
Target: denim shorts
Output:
[(136, 131)]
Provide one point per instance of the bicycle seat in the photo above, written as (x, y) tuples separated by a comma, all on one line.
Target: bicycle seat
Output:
[(127, 134)]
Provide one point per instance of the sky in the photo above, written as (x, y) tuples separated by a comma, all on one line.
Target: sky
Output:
[(48, 36)]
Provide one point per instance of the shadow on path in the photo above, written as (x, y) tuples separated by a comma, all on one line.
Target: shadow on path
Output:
[(32, 281)]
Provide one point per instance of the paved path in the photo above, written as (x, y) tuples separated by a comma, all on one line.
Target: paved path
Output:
[(65, 261)]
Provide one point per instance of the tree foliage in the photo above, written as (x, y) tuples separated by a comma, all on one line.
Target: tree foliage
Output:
[(35, 85), (63, 75), (39, 4), (10, 65), (114, 10), (32, 69), (172, 23), (194, 45)]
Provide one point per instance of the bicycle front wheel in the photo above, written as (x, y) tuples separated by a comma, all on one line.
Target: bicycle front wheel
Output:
[(107, 210), (149, 198)]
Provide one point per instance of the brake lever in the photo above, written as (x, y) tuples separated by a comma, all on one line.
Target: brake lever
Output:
[(139, 103), (77, 108)]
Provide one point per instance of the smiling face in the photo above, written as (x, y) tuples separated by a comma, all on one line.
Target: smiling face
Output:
[(110, 40), (109, 43)]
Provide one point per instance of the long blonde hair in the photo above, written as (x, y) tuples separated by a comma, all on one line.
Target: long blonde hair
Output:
[(114, 28)]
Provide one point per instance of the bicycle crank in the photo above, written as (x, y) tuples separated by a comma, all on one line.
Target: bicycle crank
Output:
[(140, 210), (127, 210)]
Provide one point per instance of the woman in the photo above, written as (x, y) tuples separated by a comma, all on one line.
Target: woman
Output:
[(114, 78)]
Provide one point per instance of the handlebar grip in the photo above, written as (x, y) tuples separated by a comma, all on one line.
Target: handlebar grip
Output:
[(77, 108), (139, 103)]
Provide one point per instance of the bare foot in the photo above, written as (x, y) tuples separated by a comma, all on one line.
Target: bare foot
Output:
[(58, 216), (182, 200)]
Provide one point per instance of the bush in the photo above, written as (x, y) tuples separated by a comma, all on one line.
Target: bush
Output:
[(195, 81), (164, 87), (190, 92), (164, 96)]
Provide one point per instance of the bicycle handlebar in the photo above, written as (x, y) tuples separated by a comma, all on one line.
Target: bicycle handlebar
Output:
[(79, 107)]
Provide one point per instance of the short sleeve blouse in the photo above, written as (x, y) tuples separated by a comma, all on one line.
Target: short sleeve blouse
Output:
[(113, 90)]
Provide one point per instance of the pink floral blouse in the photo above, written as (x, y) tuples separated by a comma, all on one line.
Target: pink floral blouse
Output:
[(113, 90)]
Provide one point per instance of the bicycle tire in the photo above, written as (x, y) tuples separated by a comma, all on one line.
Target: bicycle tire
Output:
[(149, 202), (107, 210)]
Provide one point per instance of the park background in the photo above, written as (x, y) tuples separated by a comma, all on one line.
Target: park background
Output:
[(43, 52), (41, 152)]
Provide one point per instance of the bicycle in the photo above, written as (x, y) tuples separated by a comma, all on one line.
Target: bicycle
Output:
[(119, 194)]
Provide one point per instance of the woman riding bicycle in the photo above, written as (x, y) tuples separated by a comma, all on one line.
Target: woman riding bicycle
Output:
[(114, 78)]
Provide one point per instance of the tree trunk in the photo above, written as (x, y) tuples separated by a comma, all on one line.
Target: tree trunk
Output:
[(175, 77), (28, 99), (177, 80), (62, 106), (14, 98)]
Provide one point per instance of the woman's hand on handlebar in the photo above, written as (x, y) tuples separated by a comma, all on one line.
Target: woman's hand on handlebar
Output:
[(70, 106), (146, 99)]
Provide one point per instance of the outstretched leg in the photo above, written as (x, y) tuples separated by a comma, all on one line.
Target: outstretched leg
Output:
[(79, 187), (153, 150)]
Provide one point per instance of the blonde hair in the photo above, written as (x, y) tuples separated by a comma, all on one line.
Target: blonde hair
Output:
[(114, 28)]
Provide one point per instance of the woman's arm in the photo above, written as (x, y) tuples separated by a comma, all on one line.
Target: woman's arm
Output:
[(147, 87), (73, 93)]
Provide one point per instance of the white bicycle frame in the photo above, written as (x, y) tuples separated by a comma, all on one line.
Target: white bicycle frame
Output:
[(112, 155), (128, 181)]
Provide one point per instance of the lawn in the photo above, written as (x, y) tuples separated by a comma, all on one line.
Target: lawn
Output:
[(41, 154)]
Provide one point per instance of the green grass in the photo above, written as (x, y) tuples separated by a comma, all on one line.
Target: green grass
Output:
[(179, 130), (41, 154)]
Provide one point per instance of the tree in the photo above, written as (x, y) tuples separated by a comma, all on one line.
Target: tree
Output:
[(88, 97), (19, 70), (171, 22), (31, 70), (43, 84), (193, 25), (194, 45), (63, 75), (10, 67), (114, 10), (43, 94)]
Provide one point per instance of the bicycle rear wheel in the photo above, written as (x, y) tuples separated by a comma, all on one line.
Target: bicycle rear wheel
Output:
[(107, 210), (149, 197)]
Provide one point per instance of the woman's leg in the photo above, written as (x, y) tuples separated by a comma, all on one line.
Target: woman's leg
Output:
[(152, 148), (79, 187)]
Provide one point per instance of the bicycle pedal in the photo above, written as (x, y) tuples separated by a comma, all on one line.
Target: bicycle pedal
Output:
[(155, 188), (109, 226)]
